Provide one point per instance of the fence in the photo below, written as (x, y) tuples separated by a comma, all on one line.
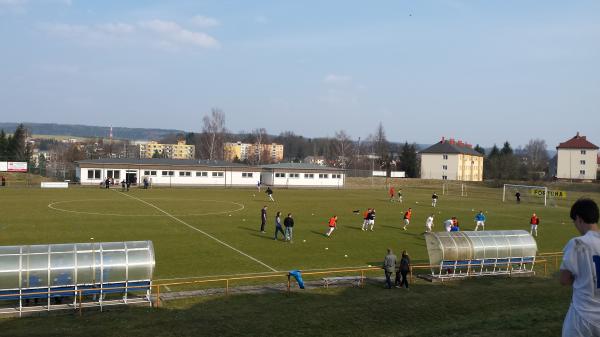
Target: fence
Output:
[(153, 297)]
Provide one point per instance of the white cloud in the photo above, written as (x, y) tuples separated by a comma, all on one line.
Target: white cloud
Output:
[(205, 21), (116, 28), (337, 79), (173, 32)]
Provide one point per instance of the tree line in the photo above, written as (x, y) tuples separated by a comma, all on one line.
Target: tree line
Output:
[(14, 147)]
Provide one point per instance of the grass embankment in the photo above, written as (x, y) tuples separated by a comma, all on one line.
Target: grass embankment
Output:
[(476, 307)]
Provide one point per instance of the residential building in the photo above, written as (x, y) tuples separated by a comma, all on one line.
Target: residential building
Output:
[(245, 151), (451, 160), (317, 160), (577, 159), (172, 151)]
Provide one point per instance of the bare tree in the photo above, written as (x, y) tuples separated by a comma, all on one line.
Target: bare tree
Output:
[(213, 135), (343, 148), (381, 147), (537, 155), (260, 136)]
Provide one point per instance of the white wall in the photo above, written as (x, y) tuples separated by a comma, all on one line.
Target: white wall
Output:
[(305, 181), (568, 164), (230, 178), (432, 164)]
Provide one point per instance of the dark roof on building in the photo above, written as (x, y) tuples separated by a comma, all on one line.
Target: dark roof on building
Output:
[(300, 166), (577, 142), (445, 146), (162, 161)]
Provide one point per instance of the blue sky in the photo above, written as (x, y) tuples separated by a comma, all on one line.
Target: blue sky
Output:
[(482, 71)]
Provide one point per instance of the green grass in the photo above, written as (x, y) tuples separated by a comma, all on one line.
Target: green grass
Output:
[(86, 213), (476, 307), (494, 307)]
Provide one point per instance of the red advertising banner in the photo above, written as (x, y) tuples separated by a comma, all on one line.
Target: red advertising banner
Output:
[(17, 166)]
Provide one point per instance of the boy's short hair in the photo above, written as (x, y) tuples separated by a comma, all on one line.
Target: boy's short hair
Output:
[(586, 209)]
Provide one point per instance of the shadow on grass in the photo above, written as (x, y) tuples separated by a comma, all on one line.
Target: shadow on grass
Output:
[(533, 306), (322, 234), (263, 236)]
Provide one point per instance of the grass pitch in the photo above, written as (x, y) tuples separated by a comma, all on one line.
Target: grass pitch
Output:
[(205, 232)]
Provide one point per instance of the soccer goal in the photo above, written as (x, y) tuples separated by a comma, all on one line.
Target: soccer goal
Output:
[(529, 194), (454, 189)]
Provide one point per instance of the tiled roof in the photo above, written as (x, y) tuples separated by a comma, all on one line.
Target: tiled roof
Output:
[(577, 142), (444, 147)]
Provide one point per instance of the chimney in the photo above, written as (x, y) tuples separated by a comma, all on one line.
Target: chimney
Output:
[(577, 134), (460, 143), (443, 140), (451, 141)]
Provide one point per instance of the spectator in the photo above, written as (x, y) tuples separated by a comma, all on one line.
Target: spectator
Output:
[(404, 269), (288, 223), (389, 267)]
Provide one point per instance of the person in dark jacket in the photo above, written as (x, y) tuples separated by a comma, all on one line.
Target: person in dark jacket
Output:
[(288, 223), (404, 268), (263, 218), (278, 227)]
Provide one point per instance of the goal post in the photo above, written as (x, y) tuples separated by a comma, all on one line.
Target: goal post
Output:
[(534, 194), (456, 188)]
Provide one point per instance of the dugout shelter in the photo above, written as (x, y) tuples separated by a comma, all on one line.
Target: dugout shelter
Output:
[(68, 276), (481, 253)]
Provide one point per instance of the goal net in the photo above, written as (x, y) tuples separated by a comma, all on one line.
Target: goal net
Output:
[(458, 189), (525, 194)]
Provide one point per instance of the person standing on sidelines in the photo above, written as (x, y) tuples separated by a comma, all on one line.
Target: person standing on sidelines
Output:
[(258, 186), (480, 221), (429, 224), (269, 192), (400, 195), (263, 218), (407, 216), (389, 267), (518, 196), (332, 225), (278, 227), (580, 269), (534, 222), (288, 223), (404, 269), (434, 199), (392, 193)]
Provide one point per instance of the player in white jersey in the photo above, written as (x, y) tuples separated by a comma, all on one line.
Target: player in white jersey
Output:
[(429, 224), (581, 268), (448, 224)]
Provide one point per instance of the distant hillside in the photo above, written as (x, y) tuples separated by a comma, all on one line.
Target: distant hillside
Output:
[(90, 131)]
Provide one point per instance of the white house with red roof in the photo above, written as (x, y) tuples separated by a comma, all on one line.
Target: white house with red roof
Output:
[(577, 159)]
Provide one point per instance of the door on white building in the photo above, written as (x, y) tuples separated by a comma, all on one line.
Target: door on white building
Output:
[(131, 176)]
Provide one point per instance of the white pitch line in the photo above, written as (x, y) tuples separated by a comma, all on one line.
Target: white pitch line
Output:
[(199, 230)]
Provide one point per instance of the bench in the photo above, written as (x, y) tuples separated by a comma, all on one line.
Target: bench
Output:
[(354, 280)]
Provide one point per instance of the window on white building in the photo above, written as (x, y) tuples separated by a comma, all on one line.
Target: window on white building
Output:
[(309, 176), (279, 175), (185, 173), (247, 174), (444, 167), (582, 172), (294, 175), (115, 174), (94, 174), (582, 162), (445, 177), (582, 151), (201, 174), (323, 176), (217, 174), (445, 157), (336, 176), (168, 173)]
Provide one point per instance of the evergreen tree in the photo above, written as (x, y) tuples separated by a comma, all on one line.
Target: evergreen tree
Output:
[(16, 145), (3, 146), (42, 165), (408, 160), (479, 149)]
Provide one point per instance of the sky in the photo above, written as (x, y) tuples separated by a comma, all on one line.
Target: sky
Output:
[(481, 71)]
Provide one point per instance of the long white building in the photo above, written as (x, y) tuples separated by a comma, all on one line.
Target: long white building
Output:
[(173, 172), (302, 175), (577, 159), (167, 172)]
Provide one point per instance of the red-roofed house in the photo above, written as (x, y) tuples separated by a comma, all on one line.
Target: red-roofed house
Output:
[(577, 159)]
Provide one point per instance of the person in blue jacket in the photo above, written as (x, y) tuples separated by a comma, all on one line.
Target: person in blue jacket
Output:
[(480, 221)]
